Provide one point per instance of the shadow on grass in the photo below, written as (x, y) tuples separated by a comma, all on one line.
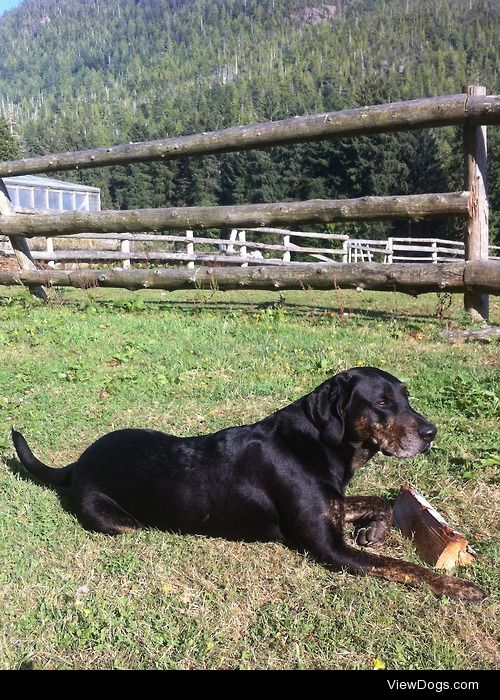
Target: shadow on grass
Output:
[(293, 310), (340, 302), (288, 309)]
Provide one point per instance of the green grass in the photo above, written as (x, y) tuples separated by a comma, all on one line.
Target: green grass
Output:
[(189, 363)]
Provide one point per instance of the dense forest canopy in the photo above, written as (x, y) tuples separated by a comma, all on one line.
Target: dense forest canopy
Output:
[(81, 73)]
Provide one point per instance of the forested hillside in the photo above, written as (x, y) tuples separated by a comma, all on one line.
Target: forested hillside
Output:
[(82, 73)]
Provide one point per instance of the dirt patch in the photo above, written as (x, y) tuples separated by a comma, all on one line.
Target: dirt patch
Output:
[(8, 263)]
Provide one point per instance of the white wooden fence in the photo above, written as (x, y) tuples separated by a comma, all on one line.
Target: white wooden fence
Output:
[(240, 248)]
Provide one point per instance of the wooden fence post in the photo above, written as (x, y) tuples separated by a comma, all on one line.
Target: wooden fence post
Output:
[(389, 251), (346, 251), (286, 254), (232, 237), (242, 236), (190, 247), (49, 247), (19, 243), (476, 234), (434, 253), (125, 248)]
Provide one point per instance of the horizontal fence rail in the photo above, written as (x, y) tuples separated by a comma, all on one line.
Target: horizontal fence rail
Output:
[(397, 116), (415, 206), (134, 248), (410, 279)]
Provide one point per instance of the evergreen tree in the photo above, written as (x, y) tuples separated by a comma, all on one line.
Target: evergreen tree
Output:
[(9, 144), (494, 183)]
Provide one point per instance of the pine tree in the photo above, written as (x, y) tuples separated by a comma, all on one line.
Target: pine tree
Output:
[(9, 143)]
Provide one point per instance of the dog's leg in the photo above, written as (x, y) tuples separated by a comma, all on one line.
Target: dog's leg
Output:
[(409, 574), (323, 538), (372, 517), (101, 513)]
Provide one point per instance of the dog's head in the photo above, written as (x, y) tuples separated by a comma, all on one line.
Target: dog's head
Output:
[(369, 407)]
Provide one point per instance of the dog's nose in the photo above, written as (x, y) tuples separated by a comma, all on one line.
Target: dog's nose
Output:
[(428, 432)]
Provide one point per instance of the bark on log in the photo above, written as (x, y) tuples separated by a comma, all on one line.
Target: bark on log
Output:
[(407, 278), (397, 116), (435, 541), (483, 109), (417, 206), (482, 276)]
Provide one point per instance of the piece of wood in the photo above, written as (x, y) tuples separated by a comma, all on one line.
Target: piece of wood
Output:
[(476, 234), (416, 206), (479, 334), (435, 541), (396, 116)]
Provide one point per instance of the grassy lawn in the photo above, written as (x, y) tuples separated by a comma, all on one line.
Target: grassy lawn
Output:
[(188, 363)]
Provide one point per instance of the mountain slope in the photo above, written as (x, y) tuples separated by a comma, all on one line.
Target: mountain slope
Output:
[(82, 73)]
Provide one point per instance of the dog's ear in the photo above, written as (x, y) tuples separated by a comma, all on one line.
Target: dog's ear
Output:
[(326, 407)]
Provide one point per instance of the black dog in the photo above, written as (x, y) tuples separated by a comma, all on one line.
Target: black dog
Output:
[(281, 479)]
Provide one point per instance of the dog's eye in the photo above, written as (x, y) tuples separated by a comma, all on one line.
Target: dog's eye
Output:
[(383, 402)]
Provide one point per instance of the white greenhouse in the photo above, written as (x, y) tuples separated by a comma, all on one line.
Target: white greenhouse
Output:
[(47, 194)]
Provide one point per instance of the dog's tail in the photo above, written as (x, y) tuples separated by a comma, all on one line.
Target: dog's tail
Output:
[(56, 478)]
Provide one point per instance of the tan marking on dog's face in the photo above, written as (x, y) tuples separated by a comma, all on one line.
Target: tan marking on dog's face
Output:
[(396, 436)]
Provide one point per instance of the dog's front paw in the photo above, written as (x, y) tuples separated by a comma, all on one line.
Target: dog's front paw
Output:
[(373, 533)]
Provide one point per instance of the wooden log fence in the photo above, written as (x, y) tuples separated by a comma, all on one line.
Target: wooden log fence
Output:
[(472, 110)]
